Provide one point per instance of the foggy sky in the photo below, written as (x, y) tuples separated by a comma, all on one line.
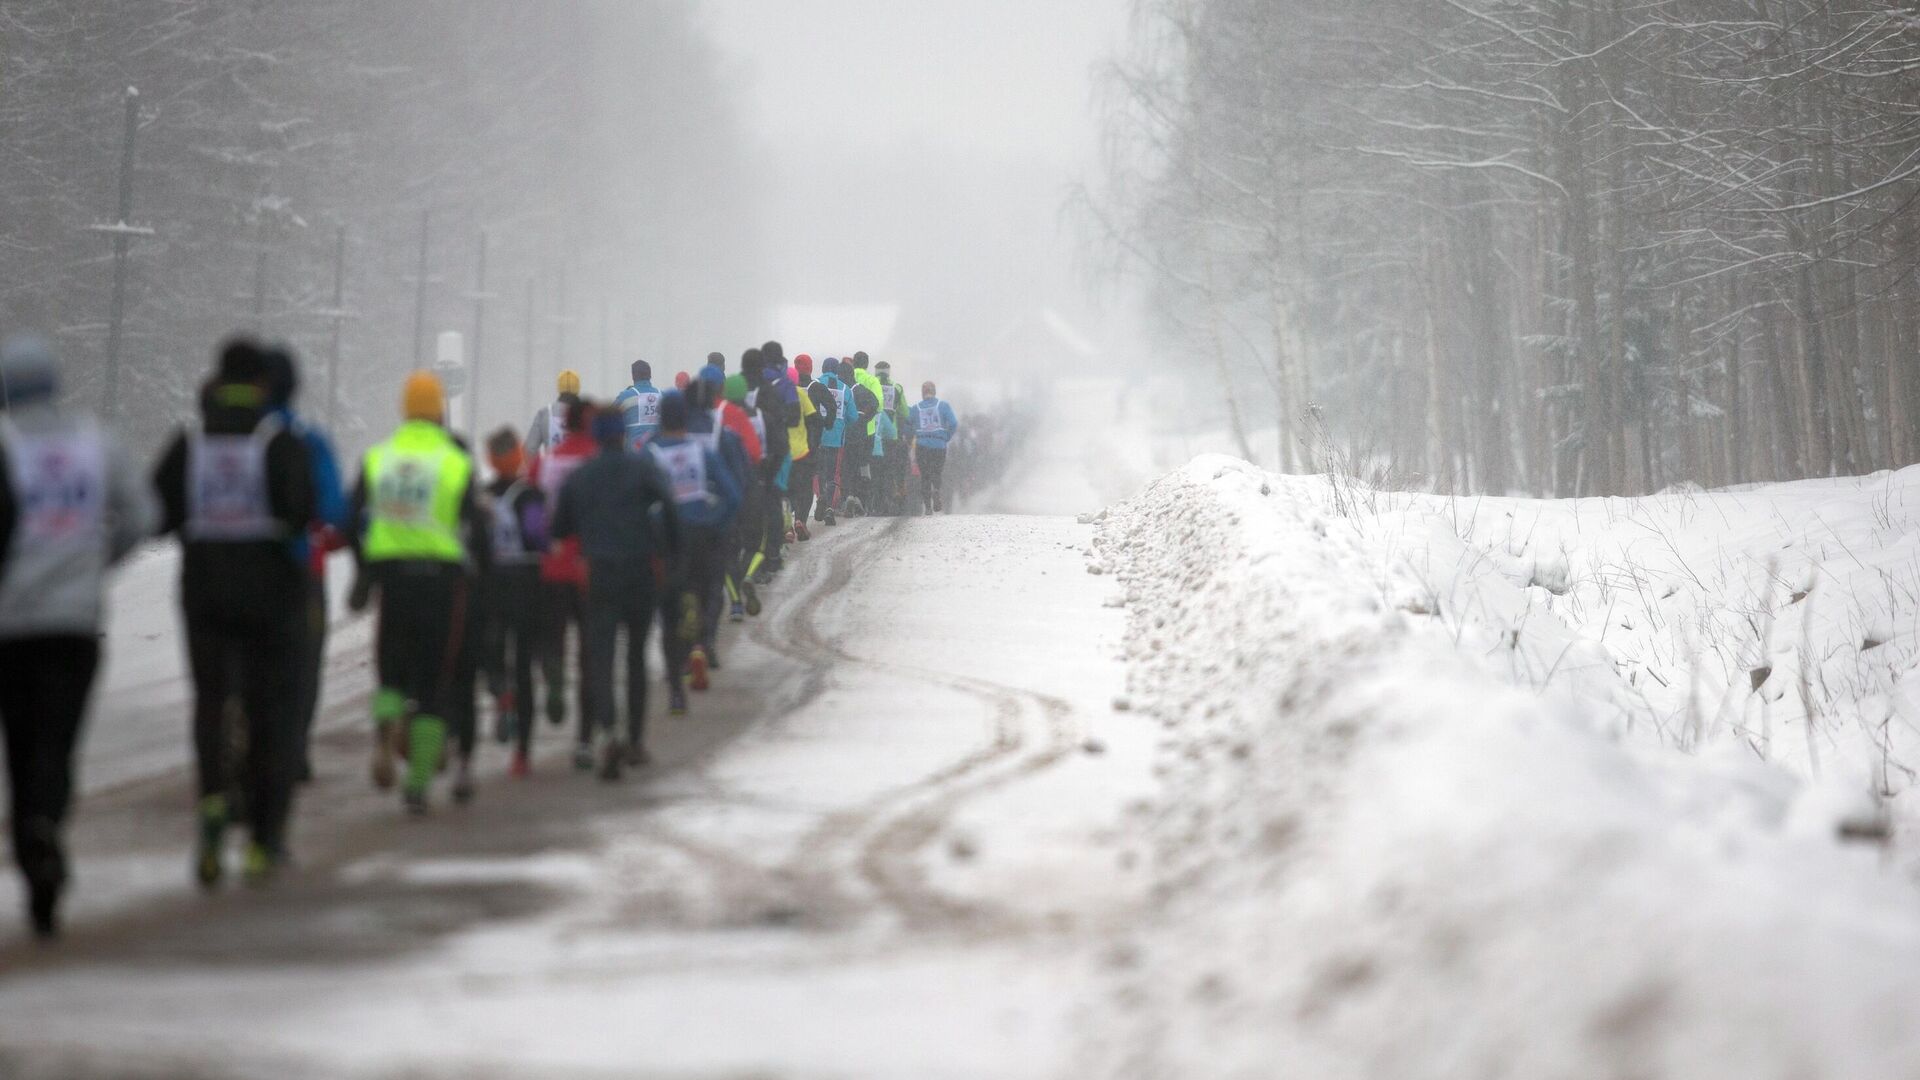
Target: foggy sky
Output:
[(919, 152)]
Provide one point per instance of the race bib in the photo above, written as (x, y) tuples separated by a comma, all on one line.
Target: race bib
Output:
[(227, 496), (927, 420), (59, 485), (403, 492), (646, 410), (686, 469)]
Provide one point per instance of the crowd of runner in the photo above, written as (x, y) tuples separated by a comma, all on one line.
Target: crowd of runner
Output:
[(495, 576)]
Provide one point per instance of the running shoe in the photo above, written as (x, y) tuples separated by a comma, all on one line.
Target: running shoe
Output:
[(612, 756), (750, 595), (207, 866), (738, 613), (800, 532), (697, 670), (262, 866), (676, 700), (43, 904)]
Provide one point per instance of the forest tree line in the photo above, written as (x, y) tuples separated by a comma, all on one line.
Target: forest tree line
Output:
[(1559, 246), (592, 141)]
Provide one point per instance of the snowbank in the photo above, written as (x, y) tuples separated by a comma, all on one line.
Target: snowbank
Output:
[(1416, 824)]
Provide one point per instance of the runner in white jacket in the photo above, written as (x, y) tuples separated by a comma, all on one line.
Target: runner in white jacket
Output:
[(72, 504)]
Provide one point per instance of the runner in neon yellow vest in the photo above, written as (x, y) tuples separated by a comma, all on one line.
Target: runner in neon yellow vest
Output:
[(418, 516)]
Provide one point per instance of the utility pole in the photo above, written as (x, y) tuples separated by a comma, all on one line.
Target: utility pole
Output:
[(479, 298), (123, 231), (260, 287), (526, 374), (420, 282), (339, 314), (561, 322), (606, 352)]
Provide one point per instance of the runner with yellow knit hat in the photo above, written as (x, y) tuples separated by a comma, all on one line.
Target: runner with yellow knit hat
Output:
[(417, 523), (550, 423)]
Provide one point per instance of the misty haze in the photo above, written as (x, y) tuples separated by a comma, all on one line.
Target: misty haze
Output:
[(960, 539)]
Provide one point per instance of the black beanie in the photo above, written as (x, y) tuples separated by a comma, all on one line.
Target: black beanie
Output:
[(283, 377), (241, 361)]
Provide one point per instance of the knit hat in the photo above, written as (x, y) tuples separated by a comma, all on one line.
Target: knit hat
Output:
[(736, 389), (831, 367), (712, 373), (681, 381), (568, 382), (642, 372), (673, 411), (283, 376), (241, 361), (803, 364), (28, 369), (774, 353), (423, 398)]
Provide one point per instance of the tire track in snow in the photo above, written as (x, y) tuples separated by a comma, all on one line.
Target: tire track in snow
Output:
[(881, 842)]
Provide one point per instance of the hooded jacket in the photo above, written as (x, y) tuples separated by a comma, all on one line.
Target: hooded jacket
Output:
[(53, 562)]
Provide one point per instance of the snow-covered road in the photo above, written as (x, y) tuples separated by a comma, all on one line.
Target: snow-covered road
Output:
[(886, 846)]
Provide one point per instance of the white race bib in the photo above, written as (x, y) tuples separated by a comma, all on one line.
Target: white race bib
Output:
[(686, 469), (227, 497), (59, 486)]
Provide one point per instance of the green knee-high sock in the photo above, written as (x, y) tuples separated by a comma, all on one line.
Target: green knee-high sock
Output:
[(754, 566), (388, 705), (425, 742), (733, 590)]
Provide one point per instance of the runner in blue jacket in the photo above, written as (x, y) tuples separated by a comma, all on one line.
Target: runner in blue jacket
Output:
[(639, 406), (934, 426)]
